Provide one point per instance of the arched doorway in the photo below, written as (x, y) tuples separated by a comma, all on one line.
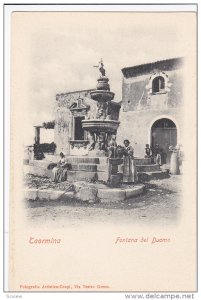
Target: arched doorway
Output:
[(164, 133)]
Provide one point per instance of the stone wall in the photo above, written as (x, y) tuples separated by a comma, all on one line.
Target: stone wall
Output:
[(136, 127), (64, 119), (137, 92), (141, 107)]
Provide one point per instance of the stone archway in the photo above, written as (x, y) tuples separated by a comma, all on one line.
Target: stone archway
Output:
[(164, 133)]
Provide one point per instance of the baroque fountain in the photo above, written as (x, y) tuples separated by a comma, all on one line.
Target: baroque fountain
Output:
[(98, 175), (102, 127)]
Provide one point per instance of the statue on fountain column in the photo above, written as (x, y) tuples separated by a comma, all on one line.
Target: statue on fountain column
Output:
[(101, 69)]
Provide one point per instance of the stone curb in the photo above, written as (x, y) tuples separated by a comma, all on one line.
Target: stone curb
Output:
[(136, 191), (37, 194), (105, 195), (117, 194), (31, 194), (111, 195)]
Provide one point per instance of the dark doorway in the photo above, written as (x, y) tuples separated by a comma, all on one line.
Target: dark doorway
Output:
[(78, 130), (164, 133)]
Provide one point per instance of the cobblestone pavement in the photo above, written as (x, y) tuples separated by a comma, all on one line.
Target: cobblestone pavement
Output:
[(160, 204)]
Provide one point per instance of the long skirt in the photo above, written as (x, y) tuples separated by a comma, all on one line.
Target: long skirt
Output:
[(129, 170), (174, 164), (158, 159), (59, 174)]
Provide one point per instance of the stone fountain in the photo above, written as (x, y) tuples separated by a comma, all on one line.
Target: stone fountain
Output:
[(103, 126), (96, 176)]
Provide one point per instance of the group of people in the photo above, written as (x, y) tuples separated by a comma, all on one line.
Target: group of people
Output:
[(114, 151), (156, 153), (129, 166)]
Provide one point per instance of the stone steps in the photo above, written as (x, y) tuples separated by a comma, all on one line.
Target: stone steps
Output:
[(39, 163), (80, 172), (82, 159), (73, 175), (148, 168), (102, 167), (84, 167), (91, 159), (147, 176), (82, 175), (52, 157), (143, 161), (37, 171), (74, 159), (94, 168)]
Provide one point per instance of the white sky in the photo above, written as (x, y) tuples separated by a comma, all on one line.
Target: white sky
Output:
[(59, 50)]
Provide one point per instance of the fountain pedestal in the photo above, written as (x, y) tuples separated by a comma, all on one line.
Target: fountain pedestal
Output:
[(114, 177)]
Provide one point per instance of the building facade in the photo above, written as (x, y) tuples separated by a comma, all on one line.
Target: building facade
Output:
[(70, 109), (152, 102), (151, 110)]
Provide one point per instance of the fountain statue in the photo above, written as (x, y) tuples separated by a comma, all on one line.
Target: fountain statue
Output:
[(105, 123)]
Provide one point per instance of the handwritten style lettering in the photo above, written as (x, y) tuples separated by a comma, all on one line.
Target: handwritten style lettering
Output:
[(126, 240), (33, 240)]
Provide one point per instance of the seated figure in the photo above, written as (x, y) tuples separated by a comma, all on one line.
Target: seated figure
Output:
[(60, 171), (147, 151)]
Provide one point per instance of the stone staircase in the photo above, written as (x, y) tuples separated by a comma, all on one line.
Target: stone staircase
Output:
[(82, 168), (147, 170), (93, 168)]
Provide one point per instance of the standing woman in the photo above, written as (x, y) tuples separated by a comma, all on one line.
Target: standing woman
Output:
[(174, 160), (129, 167)]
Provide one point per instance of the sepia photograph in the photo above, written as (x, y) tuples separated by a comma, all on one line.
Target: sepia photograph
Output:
[(103, 151)]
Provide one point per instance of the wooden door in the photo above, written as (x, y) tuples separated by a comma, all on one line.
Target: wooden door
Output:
[(164, 137)]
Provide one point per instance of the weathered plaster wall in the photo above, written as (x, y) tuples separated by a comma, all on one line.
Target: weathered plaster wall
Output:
[(137, 92), (136, 127), (141, 108), (63, 118)]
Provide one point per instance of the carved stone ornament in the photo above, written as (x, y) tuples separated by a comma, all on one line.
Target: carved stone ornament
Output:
[(79, 108), (79, 144)]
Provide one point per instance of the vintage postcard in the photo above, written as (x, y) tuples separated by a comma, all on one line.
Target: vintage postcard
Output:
[(103, 151)]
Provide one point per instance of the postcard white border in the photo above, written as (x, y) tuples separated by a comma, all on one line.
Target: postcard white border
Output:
[(22, 6)]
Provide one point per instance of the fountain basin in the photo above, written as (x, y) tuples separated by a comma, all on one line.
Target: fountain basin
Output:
[(102, 95), (97, 125), (103, 83)]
